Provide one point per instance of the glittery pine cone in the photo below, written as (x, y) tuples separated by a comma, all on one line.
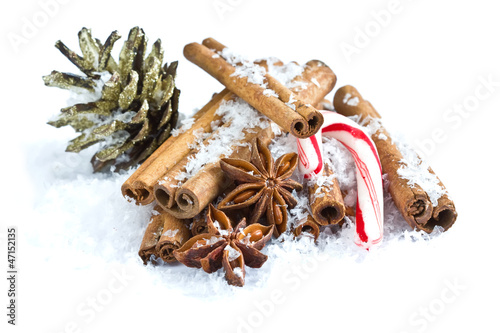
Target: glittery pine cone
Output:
[(137, 104)]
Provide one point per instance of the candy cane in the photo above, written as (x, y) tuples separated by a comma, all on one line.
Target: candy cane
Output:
[(369, 207)]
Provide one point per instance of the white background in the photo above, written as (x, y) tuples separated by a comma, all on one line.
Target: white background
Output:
[(426, 58)]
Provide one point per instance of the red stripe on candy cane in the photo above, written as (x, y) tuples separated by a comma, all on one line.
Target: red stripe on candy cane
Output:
[(356, 133), (302, 155), (305, 158), (360, 227), (318, 152), (363, 169), (360, 224)]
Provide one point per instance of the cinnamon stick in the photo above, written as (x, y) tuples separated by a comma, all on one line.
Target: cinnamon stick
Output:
[(411, 200), (316, 81), (174, 234), (318, 78), (349, 210), (275, 108), (199, 225), (326, 201), (308, 226), (216, 46), (151, 236), (165, 189), (140, 185)]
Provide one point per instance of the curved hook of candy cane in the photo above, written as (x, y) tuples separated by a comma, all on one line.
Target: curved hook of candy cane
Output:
[(369, 207)]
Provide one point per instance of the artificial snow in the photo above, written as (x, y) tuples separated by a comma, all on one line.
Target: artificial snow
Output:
[(210, 241), (290, 102), (254, 73), (350, 101), (417, 172), (170, 233), (80, 95), (270, 92), (246, 240), (221, 143), (232, 254), (186, 124), (245, 67), (91, 222), (238, 271), (286, 73), (222, 232)]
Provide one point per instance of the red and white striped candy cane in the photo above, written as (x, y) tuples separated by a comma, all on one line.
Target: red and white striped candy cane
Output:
[(370, 204)]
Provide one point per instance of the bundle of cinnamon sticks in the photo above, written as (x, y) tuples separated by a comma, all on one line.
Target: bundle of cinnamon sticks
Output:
[(161, 178), (296, 116)]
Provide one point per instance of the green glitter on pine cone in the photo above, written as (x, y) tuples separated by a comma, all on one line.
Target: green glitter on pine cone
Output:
[(138, 104)]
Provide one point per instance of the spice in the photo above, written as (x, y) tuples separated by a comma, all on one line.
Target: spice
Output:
[(325, 200), (307, 227), (225, 246), (263, 183), (163, 234), (271, 97)]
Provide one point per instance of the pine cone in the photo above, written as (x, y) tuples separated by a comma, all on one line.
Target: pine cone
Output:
[(138, 105)]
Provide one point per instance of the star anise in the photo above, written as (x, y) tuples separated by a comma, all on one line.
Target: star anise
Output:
[(263, 183), (226, 247)]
